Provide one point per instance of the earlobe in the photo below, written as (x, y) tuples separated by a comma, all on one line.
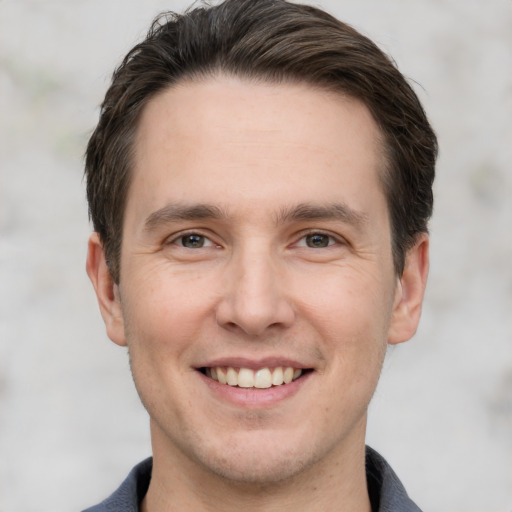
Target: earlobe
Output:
[(409, 292), (107, 292)]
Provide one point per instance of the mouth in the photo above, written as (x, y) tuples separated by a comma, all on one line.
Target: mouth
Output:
[(248, 378)]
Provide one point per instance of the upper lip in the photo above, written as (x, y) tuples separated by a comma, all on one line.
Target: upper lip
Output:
[(254, 364)]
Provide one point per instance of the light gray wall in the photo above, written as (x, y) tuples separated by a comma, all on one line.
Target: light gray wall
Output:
[(71, 425)]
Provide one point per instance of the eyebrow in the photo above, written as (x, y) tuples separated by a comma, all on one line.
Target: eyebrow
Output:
[(174, 212), (332, 211), (301, 212)]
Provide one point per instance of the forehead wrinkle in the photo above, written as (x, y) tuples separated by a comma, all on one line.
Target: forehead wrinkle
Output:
[(313, 211), (175, 212)]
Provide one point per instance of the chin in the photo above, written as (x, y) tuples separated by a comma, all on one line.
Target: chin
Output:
[(258, 460), (258, 468)]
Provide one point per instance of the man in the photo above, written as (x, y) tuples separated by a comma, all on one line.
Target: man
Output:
[(260, 182)]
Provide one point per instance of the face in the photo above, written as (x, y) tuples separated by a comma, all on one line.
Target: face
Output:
[(257, 291)]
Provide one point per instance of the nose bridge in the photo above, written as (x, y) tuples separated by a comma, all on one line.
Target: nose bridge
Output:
[(254, 299), (257, 277)]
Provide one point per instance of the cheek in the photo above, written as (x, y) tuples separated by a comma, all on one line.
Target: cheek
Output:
[(351, 312), (156, 321), (346, 300), (168, 300), (159, 329), (167, 321)]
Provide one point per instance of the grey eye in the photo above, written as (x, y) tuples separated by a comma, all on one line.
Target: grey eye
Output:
[(318, 240), (193, 241)]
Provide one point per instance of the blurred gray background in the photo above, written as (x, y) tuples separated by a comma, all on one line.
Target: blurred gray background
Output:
[(71, 425)]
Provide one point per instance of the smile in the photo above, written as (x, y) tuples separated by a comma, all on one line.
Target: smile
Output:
[(262, 378)]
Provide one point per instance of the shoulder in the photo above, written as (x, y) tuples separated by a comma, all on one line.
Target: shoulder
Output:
[(387, 494), (130, 493)]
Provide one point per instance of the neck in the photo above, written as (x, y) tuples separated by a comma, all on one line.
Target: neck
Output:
[(335, 483)]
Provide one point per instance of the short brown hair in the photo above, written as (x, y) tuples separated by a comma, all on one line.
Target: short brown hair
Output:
[(273, 41)]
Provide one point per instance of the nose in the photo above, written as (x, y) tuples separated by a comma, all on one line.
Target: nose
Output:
[(253, 297)]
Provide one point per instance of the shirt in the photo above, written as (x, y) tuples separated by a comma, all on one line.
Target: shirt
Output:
[(387, 494)]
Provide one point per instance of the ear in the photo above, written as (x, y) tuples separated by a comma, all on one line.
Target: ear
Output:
[(409, 292), (106, 290)]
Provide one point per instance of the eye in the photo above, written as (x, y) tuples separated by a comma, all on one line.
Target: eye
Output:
[(316, 241), (193, 241)]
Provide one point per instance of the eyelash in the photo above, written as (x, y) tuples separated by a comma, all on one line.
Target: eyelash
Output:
[(175, 240), (332, 240)]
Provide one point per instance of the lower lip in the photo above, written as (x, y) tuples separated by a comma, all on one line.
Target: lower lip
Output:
[(253, 397)]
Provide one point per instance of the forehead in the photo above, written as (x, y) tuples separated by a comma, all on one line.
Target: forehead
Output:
[(225, 137)]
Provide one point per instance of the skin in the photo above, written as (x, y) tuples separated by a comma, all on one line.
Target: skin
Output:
[(274, 163)]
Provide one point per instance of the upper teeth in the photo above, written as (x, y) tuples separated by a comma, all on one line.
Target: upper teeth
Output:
[(247, 378)]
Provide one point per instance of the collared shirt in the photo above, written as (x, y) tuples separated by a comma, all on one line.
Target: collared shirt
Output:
[(387, 494)]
